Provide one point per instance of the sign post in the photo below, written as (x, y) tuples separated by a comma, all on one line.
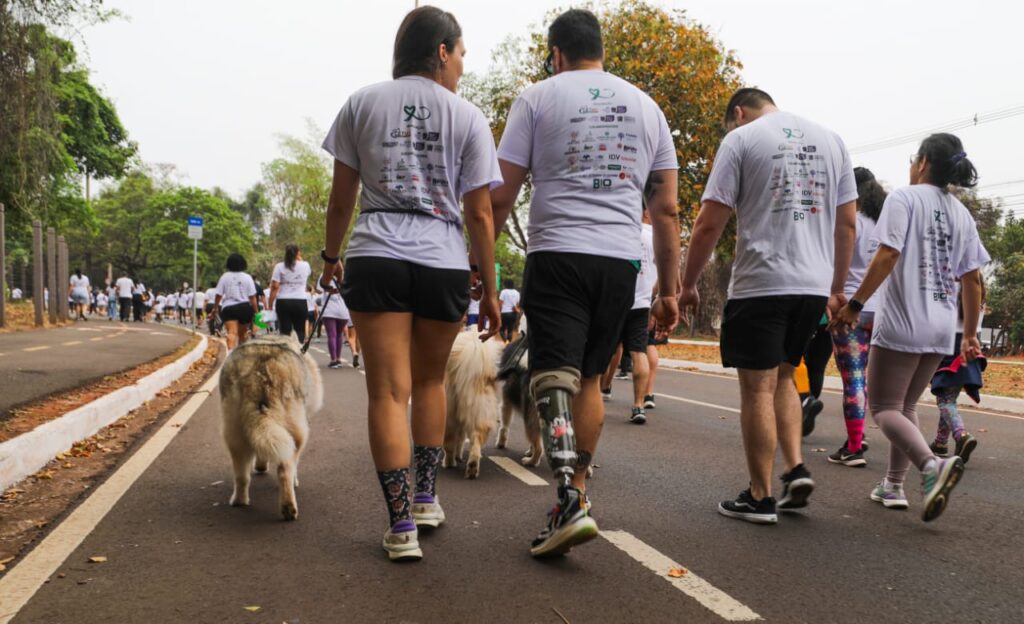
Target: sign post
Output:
[(195, 232)]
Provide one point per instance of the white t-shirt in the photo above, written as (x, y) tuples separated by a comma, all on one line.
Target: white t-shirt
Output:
[(235, 287), (16, 293), (647, 279), (293, 280), (418, 148), (124, 287), (172, 300), (335, 307), (161, 301), (101, 300), (199, 300), (863, 251), (211, 295), (784, 176), (185, 302), (590, 140), (80, 284), (139, 289), (474, 306), (509, 299), (310, 302), (938, 242)]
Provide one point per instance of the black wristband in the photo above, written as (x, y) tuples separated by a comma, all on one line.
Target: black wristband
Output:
[(328, 259), (855, 305)]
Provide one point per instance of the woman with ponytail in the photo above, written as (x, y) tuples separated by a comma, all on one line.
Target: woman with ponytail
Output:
[(288, 292)]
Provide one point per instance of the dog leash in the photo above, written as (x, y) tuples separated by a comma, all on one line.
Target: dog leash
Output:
[(514, 358), (320, 317)]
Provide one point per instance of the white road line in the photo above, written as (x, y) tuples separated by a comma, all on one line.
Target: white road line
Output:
[(713, 405), (71, 343), (96, 339), (512, 467), (714, 599), (36, 348), (19, 585)]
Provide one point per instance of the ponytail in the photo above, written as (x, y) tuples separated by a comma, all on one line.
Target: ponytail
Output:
[(291, 252), (947, 160)]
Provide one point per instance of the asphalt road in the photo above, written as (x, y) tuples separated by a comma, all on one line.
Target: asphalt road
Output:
[(176, 552), (35, 364)]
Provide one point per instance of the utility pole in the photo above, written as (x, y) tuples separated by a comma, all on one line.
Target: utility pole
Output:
[(37, 270), (51, 274), (3, 271)]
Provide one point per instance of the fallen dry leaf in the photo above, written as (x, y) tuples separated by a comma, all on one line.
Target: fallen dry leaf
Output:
[(252, 609), (97, 559), (6, 560), (982, 430), (820, 450), (677, 572), (44, 474)]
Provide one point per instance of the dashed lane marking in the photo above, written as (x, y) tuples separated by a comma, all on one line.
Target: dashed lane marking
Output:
[(96, 339), (19, 585), (71, 343), (714, 599), (41, 348), (512, 467), (695, 402)]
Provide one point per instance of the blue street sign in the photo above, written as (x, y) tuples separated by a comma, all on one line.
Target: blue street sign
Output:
[(195, 221)]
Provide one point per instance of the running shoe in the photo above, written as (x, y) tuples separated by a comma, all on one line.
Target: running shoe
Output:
[(797, 486), (965, 445), (746, 508), (427, 511), (938, 483), (846, 458), (606, 394), (940, 449), (649, 402), (621, 374), (811, 406), (638, 417), (355, 361), (401, 542), (891, 496), (569, 524)]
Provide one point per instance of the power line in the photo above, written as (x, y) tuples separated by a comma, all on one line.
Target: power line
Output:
[(1004, 183), (950, 126)]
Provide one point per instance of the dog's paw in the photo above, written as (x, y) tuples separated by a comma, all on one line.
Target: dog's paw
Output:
[(261, 468), (530, 460), (239, 501), (502, 439), (590, 471), (473, 469), (289, 511)]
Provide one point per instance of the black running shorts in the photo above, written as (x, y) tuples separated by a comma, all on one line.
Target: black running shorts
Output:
[(634, 331), (241, 312), (375, 284), (576, 306), (760, 333)]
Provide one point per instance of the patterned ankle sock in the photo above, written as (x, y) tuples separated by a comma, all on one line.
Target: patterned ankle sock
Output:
[(427, 460), (395, 484)]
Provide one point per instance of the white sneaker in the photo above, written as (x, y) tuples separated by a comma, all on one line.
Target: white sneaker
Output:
[(427, 511), (402, 542)]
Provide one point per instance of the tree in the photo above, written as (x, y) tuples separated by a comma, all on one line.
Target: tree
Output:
[(1006, 288)]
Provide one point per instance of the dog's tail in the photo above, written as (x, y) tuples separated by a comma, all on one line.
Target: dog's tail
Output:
[(271, 441), (472, 360)]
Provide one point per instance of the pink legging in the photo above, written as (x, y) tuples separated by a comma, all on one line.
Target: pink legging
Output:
[(896, 380), (335, 336)]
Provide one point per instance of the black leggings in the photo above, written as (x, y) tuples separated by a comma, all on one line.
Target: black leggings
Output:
[(291, 315), (816, 357)]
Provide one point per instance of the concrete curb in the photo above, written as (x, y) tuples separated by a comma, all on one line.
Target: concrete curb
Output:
[(988, 401), (27, 453)]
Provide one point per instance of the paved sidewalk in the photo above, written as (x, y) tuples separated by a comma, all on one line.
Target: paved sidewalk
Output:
[(35, 364)]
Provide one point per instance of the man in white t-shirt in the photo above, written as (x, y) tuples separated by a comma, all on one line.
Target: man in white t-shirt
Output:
[(16, 294), (509, 299), (125, 287), (590, 141), (791, 184)]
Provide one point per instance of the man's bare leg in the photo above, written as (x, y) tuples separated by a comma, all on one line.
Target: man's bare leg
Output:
[(757, 420)]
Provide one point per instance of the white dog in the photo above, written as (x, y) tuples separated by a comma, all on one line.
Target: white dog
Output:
[(269, 389), (471, 386)]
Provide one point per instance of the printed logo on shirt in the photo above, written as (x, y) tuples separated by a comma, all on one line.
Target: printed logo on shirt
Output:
[(422, 113), (793, 133), (601, 94)]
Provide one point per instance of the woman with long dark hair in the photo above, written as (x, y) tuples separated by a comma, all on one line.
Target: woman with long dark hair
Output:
[(417, 149), (926, 240), (235, 302), (288, 292)]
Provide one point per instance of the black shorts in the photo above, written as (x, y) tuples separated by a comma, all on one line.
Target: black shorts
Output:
[(241, 312), (652, 341), (634, 331), (387, 285), (760, 333), (576, 305)]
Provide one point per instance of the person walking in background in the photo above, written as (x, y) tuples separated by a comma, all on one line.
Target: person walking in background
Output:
[(336, 316), (926, 239), (235, 302), (138, 290), (406, 267), (288, 293), (101, 303), (211, 321), (112, 302), (312, 309), (353, 342), (125, 295), (851, 344), (476, 289), (198, 306), (80, 293), (509, 298), (790, 183)]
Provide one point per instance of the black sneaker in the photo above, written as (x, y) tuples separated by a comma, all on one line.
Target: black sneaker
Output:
[(746, 508), (606, 394), (569, 524), (965, 445), (846, 458), (355, 361), (811, 408), (638, 417), (797, 486), (649, 402), (621, 375), (940, 450)]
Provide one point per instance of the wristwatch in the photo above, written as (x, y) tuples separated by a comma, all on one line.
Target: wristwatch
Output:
[(855, 305), (328, 259)]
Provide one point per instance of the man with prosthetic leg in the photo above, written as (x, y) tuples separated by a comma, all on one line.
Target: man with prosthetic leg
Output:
[(590, 142)]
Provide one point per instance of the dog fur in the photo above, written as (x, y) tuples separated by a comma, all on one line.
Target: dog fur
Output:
[(269, 389), (471, 386), (516, 397)]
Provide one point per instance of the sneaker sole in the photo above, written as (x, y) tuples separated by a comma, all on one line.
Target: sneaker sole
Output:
[(404, 553), (638, 420), (935, 503), (888, 504), (749, 517), (648, 406), (849, 462), (428, 521), (563, 540), (797, 494), (808, 423), (969, 447)]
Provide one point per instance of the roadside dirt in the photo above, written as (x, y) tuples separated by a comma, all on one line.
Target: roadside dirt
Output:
[(30, 507), (21, 316)]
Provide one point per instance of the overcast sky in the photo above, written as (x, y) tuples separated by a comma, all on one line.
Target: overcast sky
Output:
[(208, 84)]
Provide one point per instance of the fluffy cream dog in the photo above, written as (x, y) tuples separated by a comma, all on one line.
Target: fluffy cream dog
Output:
[(268, 390), (471, 385)]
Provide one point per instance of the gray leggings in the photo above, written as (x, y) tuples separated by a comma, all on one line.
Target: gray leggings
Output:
[(896, 380)]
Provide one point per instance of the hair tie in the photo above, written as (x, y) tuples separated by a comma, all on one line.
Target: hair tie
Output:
[(958, 157)]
